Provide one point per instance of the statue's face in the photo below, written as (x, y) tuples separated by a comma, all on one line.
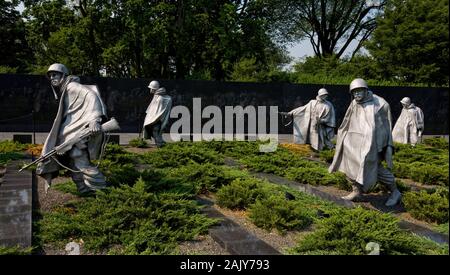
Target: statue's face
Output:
[(405, 105), (152, 91), (359, 94), (323, 97), (55, 78)]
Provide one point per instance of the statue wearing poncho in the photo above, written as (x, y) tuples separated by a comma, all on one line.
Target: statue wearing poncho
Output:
[(364, 140), (314, 122), (157, 114), (80, 108), (409, 126)]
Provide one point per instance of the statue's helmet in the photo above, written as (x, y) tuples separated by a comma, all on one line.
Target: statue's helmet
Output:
[(406, 101), (322, 92), (358, 83), (57, 67), (154, 85)]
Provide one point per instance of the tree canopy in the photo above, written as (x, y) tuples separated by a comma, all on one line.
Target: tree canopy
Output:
[(237, 40), (139, 38), (329, 25), (411, 42)]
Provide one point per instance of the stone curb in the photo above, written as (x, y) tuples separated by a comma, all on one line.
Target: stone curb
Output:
[(233, 237), (16, 207)]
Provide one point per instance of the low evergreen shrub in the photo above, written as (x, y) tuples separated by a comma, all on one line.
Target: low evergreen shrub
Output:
[(428, 206), (138, 142), (241, 193), (348, 231), (205, 177), (126, 220), (15, 250), (437, 142), (318, 176), (8, 146), (277, 212), (179, 154), (327, 155), (5, 158)]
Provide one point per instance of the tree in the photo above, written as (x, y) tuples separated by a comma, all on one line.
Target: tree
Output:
[(14, 48), (158, 39), (46, 22), (329, 25), (411, 42)]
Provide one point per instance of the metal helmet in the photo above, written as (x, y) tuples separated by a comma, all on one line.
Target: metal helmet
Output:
[(154, 85), (406, 101), (358, 83), (57, 67), (322, 92)]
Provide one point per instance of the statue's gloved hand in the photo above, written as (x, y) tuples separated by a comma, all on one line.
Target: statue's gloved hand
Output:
[(95, 127), (388, 157), (63, 150)]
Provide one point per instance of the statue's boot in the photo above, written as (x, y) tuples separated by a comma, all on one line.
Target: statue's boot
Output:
[(395, 196), (355, 194)]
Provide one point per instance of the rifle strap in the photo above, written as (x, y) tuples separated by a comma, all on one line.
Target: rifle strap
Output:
[(63, 166), (102, 151)]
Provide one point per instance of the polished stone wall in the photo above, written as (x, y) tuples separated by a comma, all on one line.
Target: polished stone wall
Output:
[(26, 96)]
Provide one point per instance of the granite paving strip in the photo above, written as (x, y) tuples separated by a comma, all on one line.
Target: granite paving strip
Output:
[(235, 239), (16, 206)]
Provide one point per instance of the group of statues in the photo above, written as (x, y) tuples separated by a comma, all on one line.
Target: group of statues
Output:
[(364, 139), (81, 113)]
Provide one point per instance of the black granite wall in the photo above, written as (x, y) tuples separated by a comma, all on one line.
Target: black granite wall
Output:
[(127, 100)]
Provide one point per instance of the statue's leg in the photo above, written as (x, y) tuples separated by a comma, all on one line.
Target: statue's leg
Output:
[(327, 140), (79, 181), (157, 135), (90, 176), (413, 135), (48, 181), (387, 178), (356, 193)]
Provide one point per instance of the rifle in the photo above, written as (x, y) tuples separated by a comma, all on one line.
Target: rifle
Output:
[(285, 114), (108, 126)]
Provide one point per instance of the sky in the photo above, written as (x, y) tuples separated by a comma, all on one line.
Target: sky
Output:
[(303, 48)]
